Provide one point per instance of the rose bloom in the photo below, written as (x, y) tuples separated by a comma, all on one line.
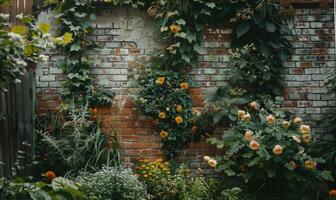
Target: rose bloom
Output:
[(194, 129), (309, 164), (162, 115), (163, 134), (248, 135), (247, 117), (297, 120), (206, 158), (270, 119), (254, 145), (179, 120), (241, 113), (332, 192), (296, 139), (286, 124), (305, 129), (292, 164), (184, 86), (212, 163), (254, 105), (175, 28), (306, 138), (277, 150), (50, 174), (179, 108), (160, 80)]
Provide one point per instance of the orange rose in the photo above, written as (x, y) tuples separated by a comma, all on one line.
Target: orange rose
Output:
[(175, 28), (248, 136), (163, 134), (162, 115), (286, 124), (179, 120), (306, 138), (160, 80), (332, 192), (247, 117), (241, 113), (297, 120), (304, 129), (270, 119), (309, 164), (179, 108), (254, 105), (184, 86), (277, 150), (292, 164), (50, 174), (254, 145), (212, 163), (296, 139)]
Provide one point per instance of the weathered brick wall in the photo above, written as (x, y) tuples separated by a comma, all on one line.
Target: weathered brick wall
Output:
[(128, 36)]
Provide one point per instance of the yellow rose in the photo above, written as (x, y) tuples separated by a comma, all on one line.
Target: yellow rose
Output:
[(248, 136), (310, 164), (184, 86), (206, 158), (286, 124), (297, 120), (241, 113), (296, 139), (306, 138), (179, 120), (175, 28), (305, 129), (162, 115), (254, 105), (277, 150), (270, 119), (179, 108), (163, 134), (254, 145), (212, 163), (160, 80)]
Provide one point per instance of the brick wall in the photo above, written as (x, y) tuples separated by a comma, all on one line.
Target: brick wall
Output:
[(127, 37)]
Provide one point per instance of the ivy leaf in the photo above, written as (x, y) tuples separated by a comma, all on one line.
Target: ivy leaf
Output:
[(211, 5), (186, 58), (75, 47), (326, 175), (198, 48), (270, 27), (242, 28)]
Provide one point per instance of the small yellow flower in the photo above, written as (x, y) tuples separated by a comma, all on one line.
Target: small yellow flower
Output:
[(206, 158), (175, 28), (296, 139), (184, 86), (44, 27), (179, 108), (160, 80), (241, 113), (20, 29), (254, 145), (286, 124), (270, 119), (163, 134), (305, 129), (67, 38), (165, 169), (277, 150), (179, 120), (306, 138), (162, 115), (248, 135), (254, 105), (212, 163), (297, 120), (310, 164)]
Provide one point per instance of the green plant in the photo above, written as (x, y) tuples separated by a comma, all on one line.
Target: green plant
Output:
[(112, 183), (59, 188), (75, 141), (268, 152)]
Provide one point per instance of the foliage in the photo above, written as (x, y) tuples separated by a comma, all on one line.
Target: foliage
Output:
[(167, 182), (112, 183), (75, 142), (269, 152), (20, 46), (59, 188)]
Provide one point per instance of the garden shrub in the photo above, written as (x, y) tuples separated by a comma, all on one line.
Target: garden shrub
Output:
[(113, 183), (267, 152)]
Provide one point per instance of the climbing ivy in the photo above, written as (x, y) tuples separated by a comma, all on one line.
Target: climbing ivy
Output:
[(257, 23)]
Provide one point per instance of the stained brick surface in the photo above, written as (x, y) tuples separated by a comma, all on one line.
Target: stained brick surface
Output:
[(126, 40)]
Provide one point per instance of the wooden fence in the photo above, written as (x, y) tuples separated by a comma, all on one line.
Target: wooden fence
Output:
[(17, 105)]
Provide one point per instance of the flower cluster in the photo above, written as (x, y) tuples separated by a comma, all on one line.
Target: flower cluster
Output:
[(148, 169)]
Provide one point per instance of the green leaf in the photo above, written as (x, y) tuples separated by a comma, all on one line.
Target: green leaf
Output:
[(181, 22), (75, 47), (211, 5), (39, 195), (326, 175), (242, 28), (270, 27)]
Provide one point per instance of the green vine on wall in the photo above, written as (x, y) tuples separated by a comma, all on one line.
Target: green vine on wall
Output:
[(181, 23)]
